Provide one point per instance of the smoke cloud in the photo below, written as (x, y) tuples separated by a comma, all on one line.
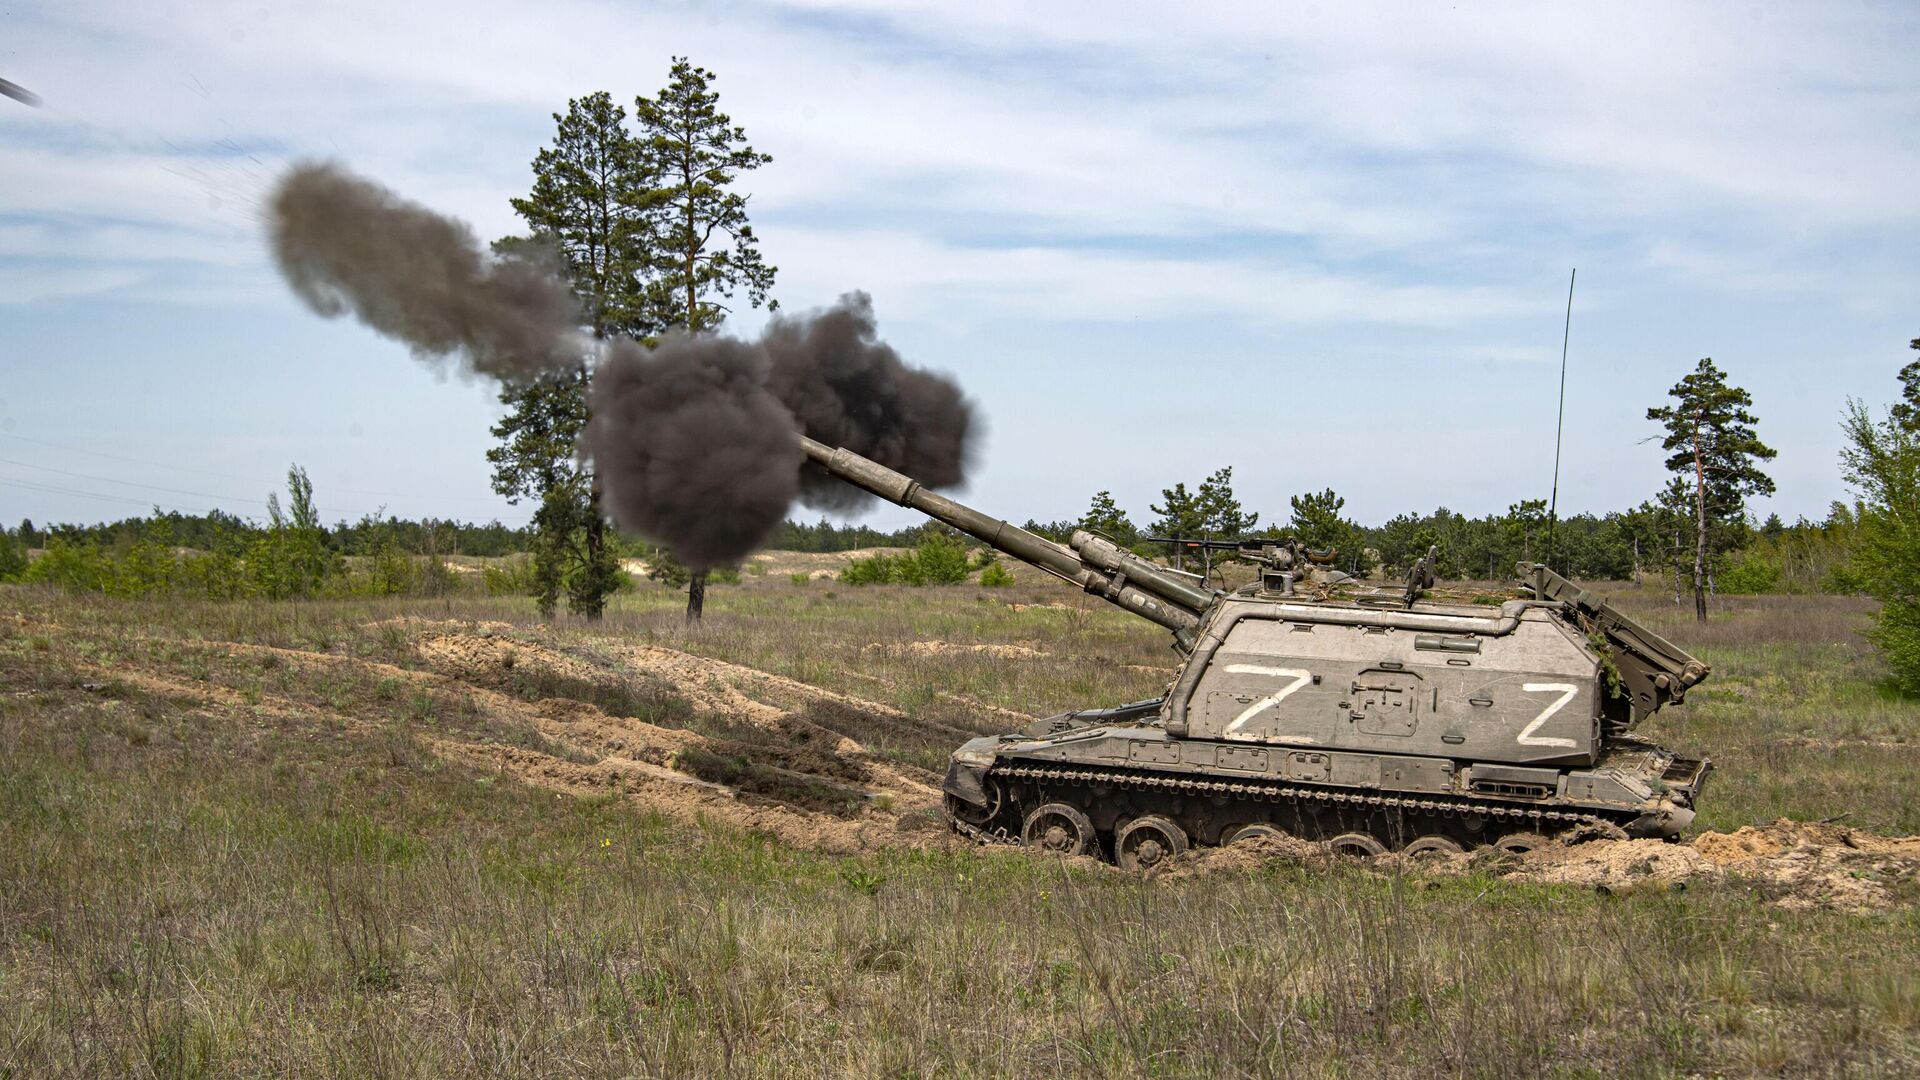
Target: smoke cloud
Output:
[(693, 441), (344, 243), (848, 388), (691, 448)]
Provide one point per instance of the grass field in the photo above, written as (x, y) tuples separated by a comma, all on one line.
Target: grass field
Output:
[(254, 839)]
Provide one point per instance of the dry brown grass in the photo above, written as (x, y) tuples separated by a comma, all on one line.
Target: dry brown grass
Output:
[(217, 860)]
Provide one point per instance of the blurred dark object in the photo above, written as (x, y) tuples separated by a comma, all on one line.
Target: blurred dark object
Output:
[(19, 93)]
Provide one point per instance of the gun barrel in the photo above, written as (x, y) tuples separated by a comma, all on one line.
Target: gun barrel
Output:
[(1162, 599)]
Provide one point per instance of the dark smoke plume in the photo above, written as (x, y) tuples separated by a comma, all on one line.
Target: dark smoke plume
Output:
[(693, 442), (345, 243), (847, 388), (690, 447)]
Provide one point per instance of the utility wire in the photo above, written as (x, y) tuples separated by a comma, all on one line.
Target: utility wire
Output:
[(49, 489), (226, 476), (154, 487)]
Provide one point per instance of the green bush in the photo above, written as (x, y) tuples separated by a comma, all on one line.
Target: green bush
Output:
[(800, 579), (1750, 574), (873, 570), (939, 560), (509, 577), (995, 576), (13, 558), (74, 567), (1896, 629)]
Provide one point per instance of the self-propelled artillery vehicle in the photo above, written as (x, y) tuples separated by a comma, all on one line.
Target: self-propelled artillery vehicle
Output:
[(1317, 706)]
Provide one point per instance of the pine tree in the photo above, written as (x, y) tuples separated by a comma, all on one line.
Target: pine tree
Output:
[(1711, 440), (1316, 519), (582, 205), (1522, 524), (1105, 517), (1222, 515), (704, 249), (1181, 517), (1906, 412)]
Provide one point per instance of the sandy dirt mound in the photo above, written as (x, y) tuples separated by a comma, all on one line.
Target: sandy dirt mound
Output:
[(761, 759), (415, 623), (488, 658), (948, 648), (1245, 855), (1793, 864)]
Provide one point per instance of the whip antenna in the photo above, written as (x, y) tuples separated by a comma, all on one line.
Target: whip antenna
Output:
[(1560, 425)]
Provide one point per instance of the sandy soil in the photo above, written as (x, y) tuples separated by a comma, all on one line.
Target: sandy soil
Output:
[(949, 648), (1793, 864)]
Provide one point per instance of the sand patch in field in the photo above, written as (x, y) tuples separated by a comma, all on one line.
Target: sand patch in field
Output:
[(949, 648), (1796, 865)]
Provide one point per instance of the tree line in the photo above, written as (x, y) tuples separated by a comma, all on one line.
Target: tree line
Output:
[(1695, 532)]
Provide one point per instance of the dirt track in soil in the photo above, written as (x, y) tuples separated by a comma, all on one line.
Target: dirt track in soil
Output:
[(769, 753)]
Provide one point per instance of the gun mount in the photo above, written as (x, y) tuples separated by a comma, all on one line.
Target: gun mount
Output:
[(1370, 719)]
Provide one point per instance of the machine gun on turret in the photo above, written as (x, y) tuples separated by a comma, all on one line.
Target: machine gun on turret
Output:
[(1283, 560)]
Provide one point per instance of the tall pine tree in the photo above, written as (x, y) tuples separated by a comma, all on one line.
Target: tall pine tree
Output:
[(704, 249), (583, 205), (1712, 444)]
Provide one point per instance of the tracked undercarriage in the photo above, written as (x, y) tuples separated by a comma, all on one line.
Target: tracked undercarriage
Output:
[(1316, 706), (1141, 816)]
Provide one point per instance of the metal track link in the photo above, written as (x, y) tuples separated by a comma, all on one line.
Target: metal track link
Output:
[(1278, 792)]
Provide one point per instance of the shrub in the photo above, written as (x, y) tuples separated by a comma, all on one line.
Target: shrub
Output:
[(995, 576), (800, 578), (13, 558), (1896, 629), (1752, 573), (873, 570), (73, 567), (509, 577), (939, 560)]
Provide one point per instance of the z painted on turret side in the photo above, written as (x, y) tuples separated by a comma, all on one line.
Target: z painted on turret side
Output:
[(1314, 706)]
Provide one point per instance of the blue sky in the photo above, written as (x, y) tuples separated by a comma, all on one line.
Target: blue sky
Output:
[(1326, 244)]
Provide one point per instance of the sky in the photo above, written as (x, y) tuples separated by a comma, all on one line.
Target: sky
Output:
[(1325, 244)]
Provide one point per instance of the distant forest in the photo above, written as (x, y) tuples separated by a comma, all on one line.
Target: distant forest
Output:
[(220, 531)]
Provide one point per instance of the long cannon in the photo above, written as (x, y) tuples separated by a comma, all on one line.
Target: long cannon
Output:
[(1092, 563)]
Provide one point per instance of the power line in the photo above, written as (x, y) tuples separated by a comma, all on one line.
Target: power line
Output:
[(154, 487), (49, 489), (227, 476)]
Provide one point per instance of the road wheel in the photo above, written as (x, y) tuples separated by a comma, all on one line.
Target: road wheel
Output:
[(1059, 829), (1521, 842), (1357, 845), (1432, 847), (1147, 842), (1256, 831)]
